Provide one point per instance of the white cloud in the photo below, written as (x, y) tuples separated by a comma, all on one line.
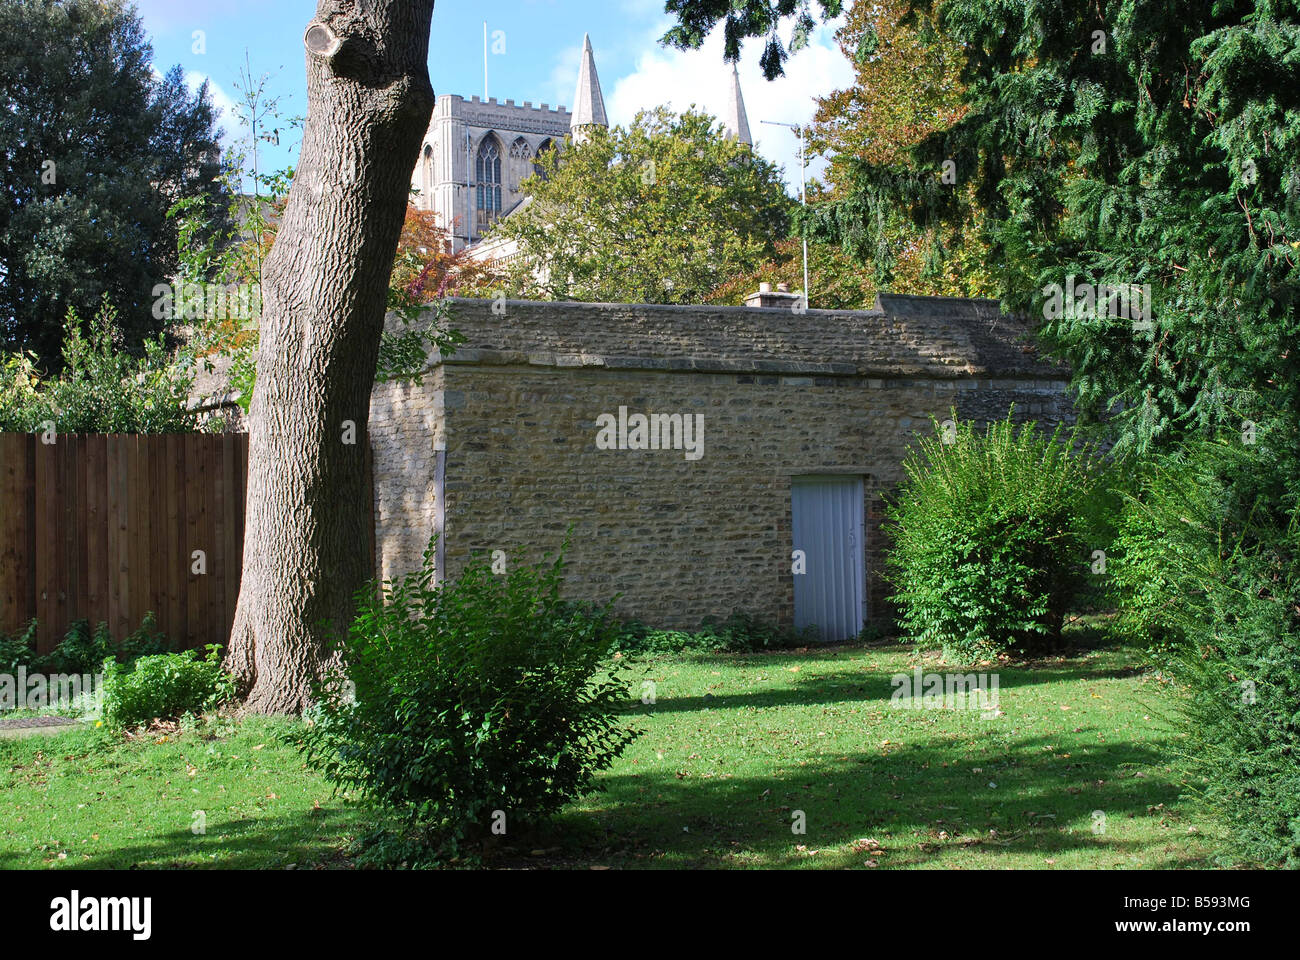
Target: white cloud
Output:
[(681, 78)]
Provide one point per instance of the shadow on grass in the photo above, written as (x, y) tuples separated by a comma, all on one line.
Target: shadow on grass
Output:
[(904, 799), (306, 840), (864, 687)]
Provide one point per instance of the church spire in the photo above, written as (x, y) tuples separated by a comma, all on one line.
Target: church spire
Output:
[(736, 121), (588, 103)]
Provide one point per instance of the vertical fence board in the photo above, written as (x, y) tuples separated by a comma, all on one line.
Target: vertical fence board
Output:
[(66, 501), (80, 530), (213, 602), (112, 535), (230, 536), (121, 530), (172, 571), (95, 470), (217, 551), (203, 541), (10, 492), (16, 483), (193, 486), (138, 532), (158, 467), (47, 558), (8, 539)]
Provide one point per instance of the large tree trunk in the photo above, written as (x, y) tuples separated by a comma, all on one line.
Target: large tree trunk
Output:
[(324, 297)]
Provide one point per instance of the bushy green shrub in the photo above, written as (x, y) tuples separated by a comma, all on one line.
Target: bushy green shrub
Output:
[(1228, 565), (18, 650), (102, 388), (164, 686), (1139, 579), (739, 633), (484, 694), (992, 537), (23, 404), (145, 640), (746, 633), (81, 650), (637, 639)]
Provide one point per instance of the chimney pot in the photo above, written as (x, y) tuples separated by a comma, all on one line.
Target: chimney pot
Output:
[(766, 297)]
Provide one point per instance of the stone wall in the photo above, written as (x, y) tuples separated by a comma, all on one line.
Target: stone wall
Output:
[(782, 394), (405, 434)]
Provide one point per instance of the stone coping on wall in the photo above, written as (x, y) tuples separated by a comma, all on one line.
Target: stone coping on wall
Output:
[(904, 336), (1047, 380)]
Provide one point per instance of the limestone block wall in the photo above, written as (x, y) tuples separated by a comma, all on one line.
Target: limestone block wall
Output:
[(405, 434), (781, 395)]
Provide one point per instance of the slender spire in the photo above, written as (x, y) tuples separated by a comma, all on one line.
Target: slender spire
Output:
[(737, 121), (588, 103)]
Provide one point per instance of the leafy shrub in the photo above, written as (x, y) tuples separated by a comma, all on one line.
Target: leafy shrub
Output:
[(81, 650), (1229, 603), (164, 686), (739, 633), (637, 639), (1139, 577), (18, 650), (23, 405), (746, 633), (487, 693), (102, 389), (992, 537), (146, 640)]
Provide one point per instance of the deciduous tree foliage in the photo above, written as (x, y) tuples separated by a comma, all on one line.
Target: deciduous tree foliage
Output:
[(94, 149), (696, 19), (661, 212), (425, 267), (907, 86), (838, 280)]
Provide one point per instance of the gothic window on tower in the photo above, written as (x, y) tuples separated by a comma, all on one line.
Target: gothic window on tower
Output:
[(427, 187), (538, 167), (487, 171)]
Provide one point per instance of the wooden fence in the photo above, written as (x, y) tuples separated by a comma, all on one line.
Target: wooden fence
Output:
[(105, 528)]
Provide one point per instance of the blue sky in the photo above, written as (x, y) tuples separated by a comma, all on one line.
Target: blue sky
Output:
[(542, 41)]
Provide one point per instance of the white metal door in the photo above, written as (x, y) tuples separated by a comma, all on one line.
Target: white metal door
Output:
[(828, 527)]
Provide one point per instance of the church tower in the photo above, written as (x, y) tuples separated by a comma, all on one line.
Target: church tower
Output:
[(475, 156), (588, 102), (477, 153), (736, 121)]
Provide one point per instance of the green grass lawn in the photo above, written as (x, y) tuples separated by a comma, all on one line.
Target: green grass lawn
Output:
[(89, 799), (734, 746)]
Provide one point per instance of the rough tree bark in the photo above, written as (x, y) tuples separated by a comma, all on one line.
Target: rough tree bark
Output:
[(324, 297)]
